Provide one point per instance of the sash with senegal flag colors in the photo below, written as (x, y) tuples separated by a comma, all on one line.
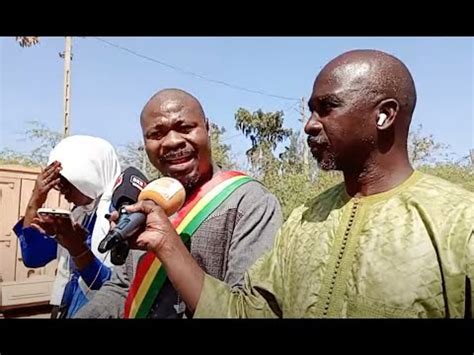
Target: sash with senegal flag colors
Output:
[(151, 275)]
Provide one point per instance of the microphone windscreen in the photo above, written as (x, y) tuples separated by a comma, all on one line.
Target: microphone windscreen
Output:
[(166, 192)]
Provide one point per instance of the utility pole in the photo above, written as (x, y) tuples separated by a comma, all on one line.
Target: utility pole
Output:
[(471, 153), (67, 55)]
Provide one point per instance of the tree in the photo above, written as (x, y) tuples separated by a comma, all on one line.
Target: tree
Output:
[(265, 130), (27, 41), (220, 151), (459, 174), (299, 183), (434, 158), (424, 150), (285, 175), (45, 139), (134, 154)]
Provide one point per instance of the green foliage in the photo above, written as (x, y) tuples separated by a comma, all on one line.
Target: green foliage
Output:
[(424, 149), (265, 130), (45, 139), (458, 174), (134, 154), (220, 151), (287, 175)]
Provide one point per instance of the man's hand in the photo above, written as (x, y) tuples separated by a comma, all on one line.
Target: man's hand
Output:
[(158, 233), (160, 237)]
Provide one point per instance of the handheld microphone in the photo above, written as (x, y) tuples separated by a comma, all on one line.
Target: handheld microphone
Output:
[(125, 192), (166, 192)]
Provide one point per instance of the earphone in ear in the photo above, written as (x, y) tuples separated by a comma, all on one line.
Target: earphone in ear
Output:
[(381, 120)]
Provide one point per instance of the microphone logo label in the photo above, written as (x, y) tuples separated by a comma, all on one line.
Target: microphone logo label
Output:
[(137, 182)]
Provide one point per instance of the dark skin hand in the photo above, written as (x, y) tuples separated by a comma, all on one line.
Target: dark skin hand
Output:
[(160, 237), (71, 236), (45, 181)]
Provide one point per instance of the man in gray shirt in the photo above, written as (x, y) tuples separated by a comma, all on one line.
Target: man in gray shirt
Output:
[(231, 238)]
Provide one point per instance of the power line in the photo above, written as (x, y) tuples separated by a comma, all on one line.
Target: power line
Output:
[(183, 71), (232, 137), (291, 106)]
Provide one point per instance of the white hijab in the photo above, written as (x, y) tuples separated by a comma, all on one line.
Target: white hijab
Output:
[(92, 166)]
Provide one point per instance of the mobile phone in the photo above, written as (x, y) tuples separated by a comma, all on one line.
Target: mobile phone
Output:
[(55, 212)]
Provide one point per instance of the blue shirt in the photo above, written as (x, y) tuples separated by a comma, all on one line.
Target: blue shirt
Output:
[(39, 249)]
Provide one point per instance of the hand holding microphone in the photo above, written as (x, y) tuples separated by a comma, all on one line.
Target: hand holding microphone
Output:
[(156, 228), (158, 200)]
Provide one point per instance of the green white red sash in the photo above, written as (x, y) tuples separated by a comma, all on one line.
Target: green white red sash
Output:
[(151, 275)]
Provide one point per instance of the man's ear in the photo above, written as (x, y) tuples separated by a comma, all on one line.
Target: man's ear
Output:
[(386, 113)]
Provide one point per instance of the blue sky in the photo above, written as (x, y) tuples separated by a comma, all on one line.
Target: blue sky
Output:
[(110, 86)]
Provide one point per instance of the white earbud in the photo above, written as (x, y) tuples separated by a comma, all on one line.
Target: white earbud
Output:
[(381, 120)]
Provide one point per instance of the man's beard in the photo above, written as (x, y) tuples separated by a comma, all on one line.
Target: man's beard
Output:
[(328, 163), (190, 181)]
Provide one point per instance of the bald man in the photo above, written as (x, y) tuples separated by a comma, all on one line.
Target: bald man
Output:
[(389, 242), (240, 228), (185, 154)]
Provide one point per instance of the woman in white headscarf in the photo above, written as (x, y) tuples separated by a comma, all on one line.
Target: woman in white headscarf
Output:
[(84, 169)]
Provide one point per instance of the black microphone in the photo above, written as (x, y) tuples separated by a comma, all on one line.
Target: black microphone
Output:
[(126, 191)]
